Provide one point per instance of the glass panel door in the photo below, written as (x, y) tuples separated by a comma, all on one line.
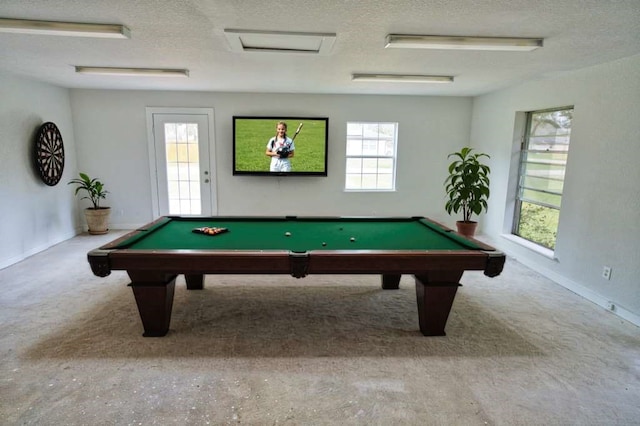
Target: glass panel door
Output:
[(181, 144)]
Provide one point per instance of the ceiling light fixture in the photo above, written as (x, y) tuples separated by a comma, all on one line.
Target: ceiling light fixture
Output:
[(402, 78), (26, 26), (133, 72), (464, 43)]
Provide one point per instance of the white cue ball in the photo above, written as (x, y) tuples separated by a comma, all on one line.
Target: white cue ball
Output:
[(352, 239), (288, 234)]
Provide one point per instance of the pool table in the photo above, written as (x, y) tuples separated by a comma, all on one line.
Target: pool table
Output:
[(156, 253)]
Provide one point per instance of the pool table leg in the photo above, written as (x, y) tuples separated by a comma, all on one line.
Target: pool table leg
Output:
[(435, 292), (194, 281), (391, 281), (154, 297)]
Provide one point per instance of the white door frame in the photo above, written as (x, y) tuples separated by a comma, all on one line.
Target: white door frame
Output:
[(213, 186)]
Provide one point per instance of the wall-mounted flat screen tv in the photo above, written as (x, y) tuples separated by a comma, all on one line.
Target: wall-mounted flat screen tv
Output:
[(280, 145)]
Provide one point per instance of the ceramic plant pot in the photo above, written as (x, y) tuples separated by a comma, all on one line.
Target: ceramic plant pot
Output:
[(98, 220)]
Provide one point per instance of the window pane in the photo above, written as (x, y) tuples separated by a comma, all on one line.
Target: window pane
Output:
[(556, 172), (194, 190), (172, 153), (181, 132), (388, 130), (369, 147), (172, 171), (170, 132), (369, 181), (385, 147), (543, 165), (173, 189), (174, 206), (542, 198), (546, 156), (192, 133), (185, 207), (385, 165), (196, 206), (370, 130), (354, 147), (538, 224), (543, 183), (549, 128), (183, 171), (370, 165), (353, 181), (385, 181), (371, 151), (194, 172), (183, 155), (354, 165), (354, 129), (193, 153), (183, 187)]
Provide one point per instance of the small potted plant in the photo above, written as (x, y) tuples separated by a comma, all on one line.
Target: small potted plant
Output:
[(467, 188), (97, 216)]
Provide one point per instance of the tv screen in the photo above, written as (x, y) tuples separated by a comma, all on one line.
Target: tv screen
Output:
[(280, 146)]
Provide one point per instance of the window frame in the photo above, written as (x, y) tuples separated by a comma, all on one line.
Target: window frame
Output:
[(520, 198), (393, 157)]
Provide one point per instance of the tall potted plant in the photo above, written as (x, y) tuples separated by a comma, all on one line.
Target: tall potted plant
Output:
[(467, 188), (97, 216)]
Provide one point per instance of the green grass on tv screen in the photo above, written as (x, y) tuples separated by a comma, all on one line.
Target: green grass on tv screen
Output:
[(251, 136)]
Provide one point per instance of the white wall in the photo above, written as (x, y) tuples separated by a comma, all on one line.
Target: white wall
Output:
[(600, 217), (33, 216), (110, 127), (598, 226)]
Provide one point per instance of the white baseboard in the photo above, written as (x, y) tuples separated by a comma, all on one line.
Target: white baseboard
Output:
[(4, 263), (609, 305)]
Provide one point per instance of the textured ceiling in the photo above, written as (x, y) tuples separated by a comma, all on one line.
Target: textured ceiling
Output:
[(190, 34)]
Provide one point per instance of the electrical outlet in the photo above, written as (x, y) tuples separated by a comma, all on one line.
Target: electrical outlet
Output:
[(606, 272)]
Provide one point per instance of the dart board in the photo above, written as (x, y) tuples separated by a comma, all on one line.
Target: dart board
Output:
[(49, 153)]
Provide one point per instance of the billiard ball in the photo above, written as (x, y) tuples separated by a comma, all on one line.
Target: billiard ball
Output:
[(288, 234), (324, 244), (352, 239)]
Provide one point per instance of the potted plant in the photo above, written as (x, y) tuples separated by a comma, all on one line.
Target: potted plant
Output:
[(97, 216), (467, 188)]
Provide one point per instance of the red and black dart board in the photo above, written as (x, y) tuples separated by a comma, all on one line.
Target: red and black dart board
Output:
[(49, 153)]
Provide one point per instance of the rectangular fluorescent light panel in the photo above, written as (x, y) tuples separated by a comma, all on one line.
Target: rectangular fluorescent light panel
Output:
[(133, 72), (464, 43), (398, 78), (25, 26), (279, 41)]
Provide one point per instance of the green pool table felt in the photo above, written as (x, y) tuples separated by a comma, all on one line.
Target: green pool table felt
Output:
[(306, 234)]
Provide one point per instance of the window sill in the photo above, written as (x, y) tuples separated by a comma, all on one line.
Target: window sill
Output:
[(548, 253), (369, 190)]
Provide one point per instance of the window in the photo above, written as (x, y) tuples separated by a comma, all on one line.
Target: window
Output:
[(371, 156), (543, 160)]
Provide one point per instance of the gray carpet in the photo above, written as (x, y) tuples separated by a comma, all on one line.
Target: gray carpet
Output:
[(267, 350)]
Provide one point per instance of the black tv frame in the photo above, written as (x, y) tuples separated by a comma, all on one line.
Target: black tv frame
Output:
[(292, 124)]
